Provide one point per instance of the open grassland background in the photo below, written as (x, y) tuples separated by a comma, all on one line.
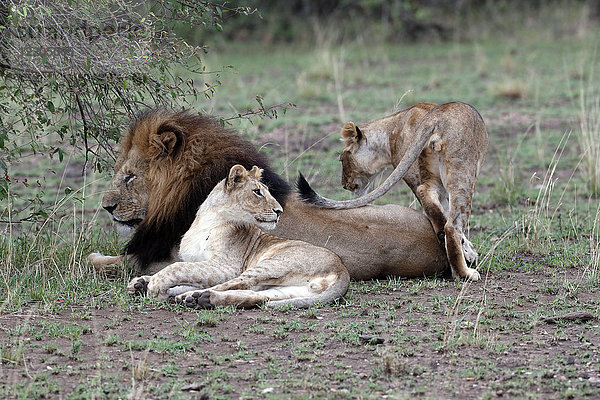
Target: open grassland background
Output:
[(67, 331)]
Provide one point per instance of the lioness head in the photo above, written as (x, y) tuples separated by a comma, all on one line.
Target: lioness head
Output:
[(247, 199), (360, 164)]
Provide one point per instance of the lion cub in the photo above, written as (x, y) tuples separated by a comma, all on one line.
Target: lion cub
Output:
[(438, 150), (229, 260)]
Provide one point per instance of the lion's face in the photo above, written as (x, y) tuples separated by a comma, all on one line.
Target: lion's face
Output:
[(248, 200), (127, 197)]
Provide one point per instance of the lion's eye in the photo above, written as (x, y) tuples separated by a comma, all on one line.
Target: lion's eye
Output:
[(129, 178), (258, 192)]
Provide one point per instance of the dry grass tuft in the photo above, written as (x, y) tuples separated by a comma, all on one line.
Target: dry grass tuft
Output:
[(511, 90)]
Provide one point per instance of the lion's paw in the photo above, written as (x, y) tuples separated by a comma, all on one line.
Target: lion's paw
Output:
[(469, 252), (195, 299), (138, 286)]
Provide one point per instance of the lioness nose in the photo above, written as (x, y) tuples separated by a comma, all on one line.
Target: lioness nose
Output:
[(277, 211), (110, 209)]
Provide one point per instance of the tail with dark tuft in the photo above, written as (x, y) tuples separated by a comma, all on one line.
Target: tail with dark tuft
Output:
[(306, 193)]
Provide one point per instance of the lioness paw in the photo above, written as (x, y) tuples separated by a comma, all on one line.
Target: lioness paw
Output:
[(138, 286), (197, 299)]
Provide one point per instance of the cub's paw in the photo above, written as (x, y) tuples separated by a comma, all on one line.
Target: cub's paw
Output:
[(197, 299), (469, 252), (138, 286), (470, 275)]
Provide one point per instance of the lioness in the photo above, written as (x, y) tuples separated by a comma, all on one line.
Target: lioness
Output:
[(438, 150), (225, 252), (170, 161)]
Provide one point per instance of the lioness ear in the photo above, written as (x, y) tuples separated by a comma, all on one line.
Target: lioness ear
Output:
[(237, 175), (351, 133), (165, 143), (256, 173)]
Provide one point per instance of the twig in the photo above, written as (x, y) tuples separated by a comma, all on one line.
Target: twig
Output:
[(578, 316)]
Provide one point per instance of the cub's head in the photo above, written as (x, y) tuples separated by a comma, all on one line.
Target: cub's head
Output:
[(248, 200), (360, 163)]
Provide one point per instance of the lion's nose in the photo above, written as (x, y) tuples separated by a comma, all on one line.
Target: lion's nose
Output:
[(110, 209), (277, 211)]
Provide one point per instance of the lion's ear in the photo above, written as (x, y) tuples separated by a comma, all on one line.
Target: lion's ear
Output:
[(165, 143), (351, 132), (237, 175), (256, 173)]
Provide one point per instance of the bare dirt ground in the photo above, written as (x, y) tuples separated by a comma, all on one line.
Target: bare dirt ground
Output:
[(388, 339)]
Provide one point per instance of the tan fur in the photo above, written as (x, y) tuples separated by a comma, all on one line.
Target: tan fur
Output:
[(152, 182), (442, 173), (225, 253)]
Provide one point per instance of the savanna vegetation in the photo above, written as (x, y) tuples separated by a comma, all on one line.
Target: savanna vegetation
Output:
[(287, 75)]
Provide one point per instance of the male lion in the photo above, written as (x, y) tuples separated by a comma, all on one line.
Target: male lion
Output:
[(225, 252), (438, 150), (170, 161)]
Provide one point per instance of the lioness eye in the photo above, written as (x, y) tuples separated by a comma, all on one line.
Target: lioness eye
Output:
[(257, 192)]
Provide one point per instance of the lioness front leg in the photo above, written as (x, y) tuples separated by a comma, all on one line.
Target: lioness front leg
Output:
[(196, 274)]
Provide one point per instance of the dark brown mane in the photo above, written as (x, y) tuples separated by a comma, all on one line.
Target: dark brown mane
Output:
[(203, 154)]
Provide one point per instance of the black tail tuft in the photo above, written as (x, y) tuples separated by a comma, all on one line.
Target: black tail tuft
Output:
[(306, 193)]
